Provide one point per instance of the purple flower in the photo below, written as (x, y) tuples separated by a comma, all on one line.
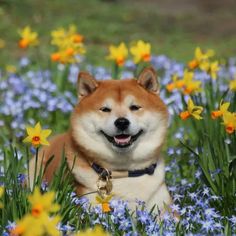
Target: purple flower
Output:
[(142, 216), (178, 197), (210, 212), (193, 195), (198, 174), (65, 228), (21, 178), (175, 208), (125, 224), (207, 226), (81, 201), (233, 220), (206, 191), (24, 61), (10, 225), (44, 186)]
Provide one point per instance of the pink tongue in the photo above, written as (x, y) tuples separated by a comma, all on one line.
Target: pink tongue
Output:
[(122, 139)]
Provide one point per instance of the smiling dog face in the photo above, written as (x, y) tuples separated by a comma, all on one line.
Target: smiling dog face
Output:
[(120, 124)]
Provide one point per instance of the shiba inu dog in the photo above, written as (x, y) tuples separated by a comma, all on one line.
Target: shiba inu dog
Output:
[(116, 134)]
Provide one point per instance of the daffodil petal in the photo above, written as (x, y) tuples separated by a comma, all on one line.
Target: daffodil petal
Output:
[(190, 105), (28, 139), (38, 128), (44, 142), (197, 116), (30, 131), (225, 106), (46, 132)]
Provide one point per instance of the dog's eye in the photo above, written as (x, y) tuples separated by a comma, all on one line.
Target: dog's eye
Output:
[(134, 107), (105, 109)]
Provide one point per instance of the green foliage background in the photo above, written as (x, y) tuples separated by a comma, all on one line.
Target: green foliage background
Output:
[(174, 28)]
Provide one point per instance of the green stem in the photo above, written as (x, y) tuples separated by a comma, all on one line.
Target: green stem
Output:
[(115, 72), (35, 166), (28, 171)]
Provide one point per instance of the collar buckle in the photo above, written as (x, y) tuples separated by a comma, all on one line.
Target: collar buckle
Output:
[(104, 185)]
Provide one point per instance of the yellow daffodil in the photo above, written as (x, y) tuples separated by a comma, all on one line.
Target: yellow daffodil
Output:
[(232, 85), (222, 109), (188, 76), (229, 121), (97, 231), (38, 222), (104, 202), (213, 69), (176, 84), (11, 69), (56, 56), (141, 52), (192, 110), (186, 84), (192, 86), (189, 85), (59, 34), (205, 65), (69, 44), (28, 38), (118, 54), (172, 86), (200, 59), (1, 193), (42, 203), (193, 64), (37, 136), (203, 56), (43, 225), (62, 37)]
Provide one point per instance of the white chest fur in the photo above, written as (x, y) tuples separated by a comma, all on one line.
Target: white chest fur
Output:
[(148, 188)]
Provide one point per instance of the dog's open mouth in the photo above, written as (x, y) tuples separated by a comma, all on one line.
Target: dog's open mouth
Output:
[(122, 140)]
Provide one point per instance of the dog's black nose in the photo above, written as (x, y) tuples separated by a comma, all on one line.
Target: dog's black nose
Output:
[(122, 123)]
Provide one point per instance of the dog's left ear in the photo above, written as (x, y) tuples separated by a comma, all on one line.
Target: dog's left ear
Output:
[(148, 80), (86, 84)]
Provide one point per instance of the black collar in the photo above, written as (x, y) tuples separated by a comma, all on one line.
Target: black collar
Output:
[(119, 174)]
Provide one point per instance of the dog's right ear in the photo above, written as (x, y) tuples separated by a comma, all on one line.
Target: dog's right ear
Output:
[(148, 80), (86, 84)]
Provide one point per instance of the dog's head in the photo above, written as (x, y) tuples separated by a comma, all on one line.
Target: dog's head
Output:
[(120, 122)]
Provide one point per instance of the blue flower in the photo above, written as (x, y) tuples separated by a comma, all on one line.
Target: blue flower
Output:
[(24, 61), (21, 178), (207, 226), (193, 195), (125, 224), (11, 225), (65, 228), (210, 212), (206, 191), (131, 234), (44, 186), (73, 73), (143, 216), (198, 174), (232, 219)]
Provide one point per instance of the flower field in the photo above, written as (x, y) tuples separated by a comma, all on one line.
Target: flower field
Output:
[(200, 151)]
